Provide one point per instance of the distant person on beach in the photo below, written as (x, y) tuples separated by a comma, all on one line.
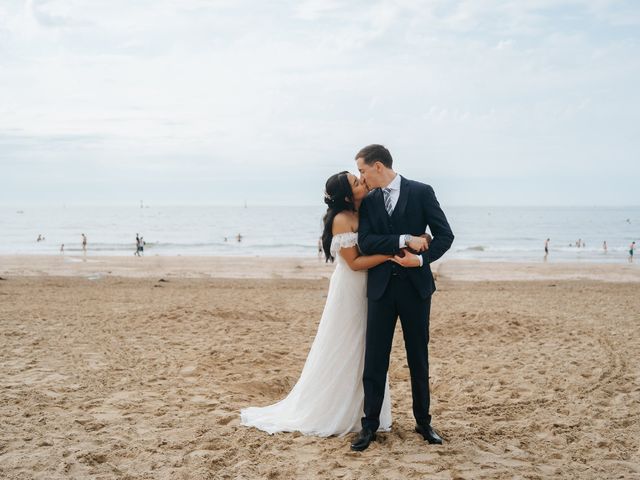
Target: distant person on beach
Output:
[(382, 272), (604, 246), (546, 248), (39, 238), (137, 252), (632, 247), (239, 238), (142, 244), (62, 248), (84, 244)]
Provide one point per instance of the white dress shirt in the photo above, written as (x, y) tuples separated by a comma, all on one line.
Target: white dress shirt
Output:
[(394, 195), (394, 186)]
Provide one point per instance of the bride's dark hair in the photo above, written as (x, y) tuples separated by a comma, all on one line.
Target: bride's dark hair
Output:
[(338, 197)]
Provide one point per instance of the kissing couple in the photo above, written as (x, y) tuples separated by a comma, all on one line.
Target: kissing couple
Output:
[(375, 227)]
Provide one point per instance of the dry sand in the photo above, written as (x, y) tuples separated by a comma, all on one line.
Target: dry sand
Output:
[(105, 376)]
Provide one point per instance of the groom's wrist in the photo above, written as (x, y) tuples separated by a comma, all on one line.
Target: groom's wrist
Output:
[(404, 240)]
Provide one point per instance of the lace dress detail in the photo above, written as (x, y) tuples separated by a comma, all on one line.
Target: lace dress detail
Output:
[(328, 398), (343, 240)]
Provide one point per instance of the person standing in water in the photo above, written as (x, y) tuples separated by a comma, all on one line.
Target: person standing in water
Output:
[(604, 246), (84, 244), (546, 249), (632, 248)]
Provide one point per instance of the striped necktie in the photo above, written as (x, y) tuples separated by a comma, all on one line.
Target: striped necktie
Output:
[(387, 200)]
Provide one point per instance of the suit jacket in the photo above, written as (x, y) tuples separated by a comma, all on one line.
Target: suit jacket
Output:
[(417, 208)]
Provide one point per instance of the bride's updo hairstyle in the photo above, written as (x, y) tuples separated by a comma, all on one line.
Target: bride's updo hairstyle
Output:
[(338, 197)]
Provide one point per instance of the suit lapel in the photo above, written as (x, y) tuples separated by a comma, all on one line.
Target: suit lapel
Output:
[(401, 205), (380, 203), (380, 210)]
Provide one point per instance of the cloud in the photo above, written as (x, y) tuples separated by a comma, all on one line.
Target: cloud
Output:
[(486, 87), (39, 11), (315, 9)]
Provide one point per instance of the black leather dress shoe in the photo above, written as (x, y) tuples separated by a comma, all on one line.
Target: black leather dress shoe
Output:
[(362, 441), (429, 434)]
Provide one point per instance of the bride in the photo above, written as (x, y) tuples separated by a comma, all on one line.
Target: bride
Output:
[(328, 397)]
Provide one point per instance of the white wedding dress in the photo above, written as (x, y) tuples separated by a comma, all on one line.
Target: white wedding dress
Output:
[(328, 398)]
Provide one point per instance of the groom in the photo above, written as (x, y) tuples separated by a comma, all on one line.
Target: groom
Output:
[(392, 217)]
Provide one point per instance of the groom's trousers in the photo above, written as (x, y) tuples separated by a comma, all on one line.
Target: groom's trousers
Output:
[(401, 299)]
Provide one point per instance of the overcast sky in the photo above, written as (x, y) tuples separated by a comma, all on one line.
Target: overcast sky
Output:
[(216, 102)]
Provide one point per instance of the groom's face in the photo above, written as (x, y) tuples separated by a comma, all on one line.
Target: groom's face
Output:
[(369, 174)]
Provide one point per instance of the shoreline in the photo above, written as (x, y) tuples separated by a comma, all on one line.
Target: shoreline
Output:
[(255, 267)]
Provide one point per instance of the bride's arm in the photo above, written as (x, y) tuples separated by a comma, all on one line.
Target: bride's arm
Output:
[(351, 255), (357, 262)]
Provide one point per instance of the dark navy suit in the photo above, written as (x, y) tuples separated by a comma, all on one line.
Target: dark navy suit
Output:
[(394, 291)]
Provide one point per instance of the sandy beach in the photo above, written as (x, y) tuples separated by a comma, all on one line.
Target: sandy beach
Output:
[(125, 368), (96, 267)]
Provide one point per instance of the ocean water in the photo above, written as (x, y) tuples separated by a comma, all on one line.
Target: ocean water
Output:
[(482, 233)]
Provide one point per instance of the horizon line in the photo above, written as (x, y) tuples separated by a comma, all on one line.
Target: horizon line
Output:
[(263, 205)]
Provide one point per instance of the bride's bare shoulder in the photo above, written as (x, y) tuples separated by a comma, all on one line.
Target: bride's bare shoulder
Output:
[(344, 222)]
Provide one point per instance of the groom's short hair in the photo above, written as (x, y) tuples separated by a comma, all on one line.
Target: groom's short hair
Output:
[(375, 153)]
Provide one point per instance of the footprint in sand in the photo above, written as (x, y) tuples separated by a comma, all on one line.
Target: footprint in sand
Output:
[(226, 420), (188, 370), (92, 458), (204, 401)]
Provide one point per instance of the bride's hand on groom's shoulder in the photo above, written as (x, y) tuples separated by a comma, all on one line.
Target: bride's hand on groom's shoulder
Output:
[(406, 259)]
